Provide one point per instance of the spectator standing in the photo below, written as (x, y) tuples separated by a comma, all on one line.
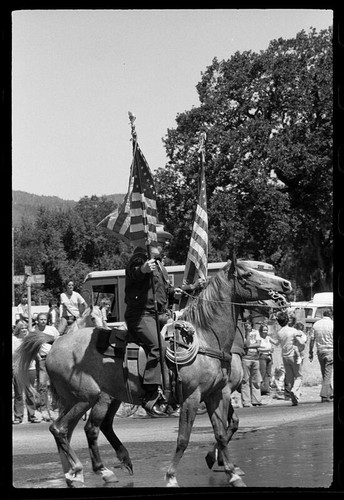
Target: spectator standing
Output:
[(72, 305), (265, 359), (23, 309), (105, 308), (287, 336), (322, 336), (20, 332), (250, 387), (53, 314), (43, 378)]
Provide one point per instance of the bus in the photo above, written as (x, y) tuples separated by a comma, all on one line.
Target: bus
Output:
[(110, 285)]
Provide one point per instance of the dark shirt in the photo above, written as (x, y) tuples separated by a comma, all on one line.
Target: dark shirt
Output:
[(139, 291)]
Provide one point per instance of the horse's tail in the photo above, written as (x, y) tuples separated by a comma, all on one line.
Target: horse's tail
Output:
[(25, 354)]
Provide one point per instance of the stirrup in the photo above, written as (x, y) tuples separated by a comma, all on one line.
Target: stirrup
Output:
[(158, 395)]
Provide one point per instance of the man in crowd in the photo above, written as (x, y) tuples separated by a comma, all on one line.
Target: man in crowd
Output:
[(322, 336), (43, 379), (287, 336)]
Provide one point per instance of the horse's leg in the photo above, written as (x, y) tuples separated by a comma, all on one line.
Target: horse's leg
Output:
[(234, 384), (187, 417), (215, 455), (107, 429), (62, 429), (218, 408), (100, 418)]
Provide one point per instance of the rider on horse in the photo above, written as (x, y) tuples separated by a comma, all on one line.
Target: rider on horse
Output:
[(142, 273)]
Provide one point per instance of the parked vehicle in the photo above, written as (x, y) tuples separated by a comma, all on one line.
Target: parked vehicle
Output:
[(312, 310)]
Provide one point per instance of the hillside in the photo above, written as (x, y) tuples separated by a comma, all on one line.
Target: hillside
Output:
[(27, 204)]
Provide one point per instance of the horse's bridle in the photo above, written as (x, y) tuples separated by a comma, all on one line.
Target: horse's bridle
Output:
[(277, 297)]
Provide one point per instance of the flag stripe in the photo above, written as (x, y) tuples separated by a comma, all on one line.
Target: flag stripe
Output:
[(136, 218), (197, 259)]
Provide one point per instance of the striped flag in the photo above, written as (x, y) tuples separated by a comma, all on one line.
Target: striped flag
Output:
[(136, 218), (197, 260)]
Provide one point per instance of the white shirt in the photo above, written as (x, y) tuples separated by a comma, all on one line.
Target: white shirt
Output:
[(286, 336), (48, 330), (69, 305), (265, 344), (253, 338), (322, 333)]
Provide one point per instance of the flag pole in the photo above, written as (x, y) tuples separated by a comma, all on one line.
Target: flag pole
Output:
[(132, 119)]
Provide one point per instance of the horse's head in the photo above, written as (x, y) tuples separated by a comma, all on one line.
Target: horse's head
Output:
[(254, 285), (92, 317)]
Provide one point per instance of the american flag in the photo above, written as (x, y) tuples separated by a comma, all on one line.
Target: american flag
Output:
[(197, 259), (136, 218)]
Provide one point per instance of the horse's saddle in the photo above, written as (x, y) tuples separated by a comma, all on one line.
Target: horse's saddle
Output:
[(117, 343)]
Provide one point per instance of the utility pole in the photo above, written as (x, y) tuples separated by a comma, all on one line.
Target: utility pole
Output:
[(28, 288)]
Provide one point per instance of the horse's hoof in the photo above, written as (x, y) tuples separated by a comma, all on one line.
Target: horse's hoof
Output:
[(237, 482), (129, 468), (238, 471), (75, 484), (108, 476), (210, 459), (171, 482)]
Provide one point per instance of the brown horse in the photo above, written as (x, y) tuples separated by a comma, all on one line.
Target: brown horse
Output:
[(83, 378)]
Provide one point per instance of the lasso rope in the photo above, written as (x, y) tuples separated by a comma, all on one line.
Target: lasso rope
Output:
[(186, 355)]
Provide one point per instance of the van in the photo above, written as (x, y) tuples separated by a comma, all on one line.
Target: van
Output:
[(110, 285), (313, 309)]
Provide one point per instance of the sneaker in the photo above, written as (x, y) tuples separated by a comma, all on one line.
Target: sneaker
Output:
[(35, 420), (17, 421), (247, 405)]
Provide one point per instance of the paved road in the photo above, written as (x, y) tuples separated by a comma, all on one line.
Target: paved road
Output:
[(276, 446)]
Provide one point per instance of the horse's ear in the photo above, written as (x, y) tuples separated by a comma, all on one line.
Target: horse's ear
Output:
[(233, 266)]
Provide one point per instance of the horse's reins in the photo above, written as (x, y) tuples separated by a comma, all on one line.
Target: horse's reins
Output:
[(188, 355), (247, 305)]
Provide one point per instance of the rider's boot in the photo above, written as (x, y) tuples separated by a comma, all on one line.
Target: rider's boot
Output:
[(154, 401)]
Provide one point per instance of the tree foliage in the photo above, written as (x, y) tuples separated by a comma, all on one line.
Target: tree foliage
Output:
[(268, 120), (67, 245)]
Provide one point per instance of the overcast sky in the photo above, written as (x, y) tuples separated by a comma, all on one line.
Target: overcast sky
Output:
[(77, 73)]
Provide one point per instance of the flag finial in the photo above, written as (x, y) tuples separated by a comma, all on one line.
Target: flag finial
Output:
[(132, 119)]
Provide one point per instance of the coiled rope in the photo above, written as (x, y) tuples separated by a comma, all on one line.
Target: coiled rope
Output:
[(184, 356)]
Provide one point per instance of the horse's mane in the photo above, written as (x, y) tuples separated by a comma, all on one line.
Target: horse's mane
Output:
[(213, 298)]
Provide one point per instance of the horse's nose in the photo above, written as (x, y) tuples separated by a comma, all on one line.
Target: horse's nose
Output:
[(286, 285)]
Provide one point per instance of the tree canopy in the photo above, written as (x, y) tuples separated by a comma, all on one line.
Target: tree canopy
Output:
[(269, 125)]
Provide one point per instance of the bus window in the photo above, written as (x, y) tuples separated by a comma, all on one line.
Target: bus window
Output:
[(110, 293), (308, 312)]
